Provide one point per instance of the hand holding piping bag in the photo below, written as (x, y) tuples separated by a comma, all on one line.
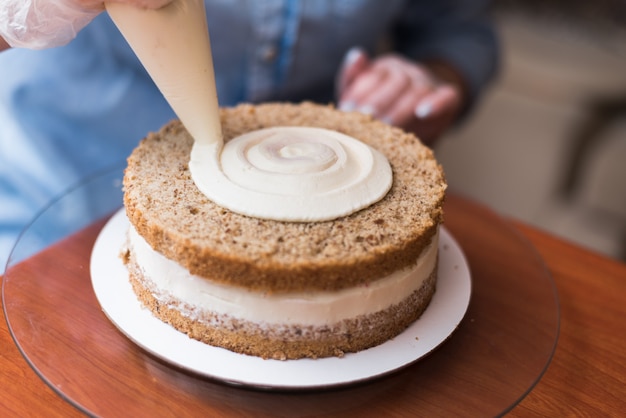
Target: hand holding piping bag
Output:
[(423, 99), (39, 24)]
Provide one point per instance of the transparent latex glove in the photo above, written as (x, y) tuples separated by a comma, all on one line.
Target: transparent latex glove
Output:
[(39, 24), (400, 92)]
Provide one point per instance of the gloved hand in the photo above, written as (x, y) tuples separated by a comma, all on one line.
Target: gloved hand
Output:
[(38, 24), (400, 92)]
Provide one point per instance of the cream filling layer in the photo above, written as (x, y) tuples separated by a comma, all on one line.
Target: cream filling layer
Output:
[(173, 282)]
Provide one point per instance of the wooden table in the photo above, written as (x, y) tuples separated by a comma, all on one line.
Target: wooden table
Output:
[(587, 376)]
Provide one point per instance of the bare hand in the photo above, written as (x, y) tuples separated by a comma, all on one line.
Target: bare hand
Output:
[(399, 92)]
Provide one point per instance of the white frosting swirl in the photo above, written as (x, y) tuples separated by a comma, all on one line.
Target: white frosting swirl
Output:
[(291, 173)]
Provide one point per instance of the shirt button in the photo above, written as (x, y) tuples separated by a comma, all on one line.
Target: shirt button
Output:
[(269, 53)]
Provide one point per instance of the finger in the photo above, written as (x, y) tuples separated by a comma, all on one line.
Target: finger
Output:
[(402, 112), (354, 62), (444, 99), (385, 94), (355, 93), (439, 111)]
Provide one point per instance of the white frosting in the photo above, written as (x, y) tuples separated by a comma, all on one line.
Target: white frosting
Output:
[(284, 173), (300, 174), (302, 308)]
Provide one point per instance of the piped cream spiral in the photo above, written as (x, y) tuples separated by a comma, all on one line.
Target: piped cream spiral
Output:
[(288, 173)]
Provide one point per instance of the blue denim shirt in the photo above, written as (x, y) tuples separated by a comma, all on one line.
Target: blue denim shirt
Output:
[(71, 111)]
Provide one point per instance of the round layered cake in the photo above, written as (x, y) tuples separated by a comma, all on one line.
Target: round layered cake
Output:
[(283, 289)]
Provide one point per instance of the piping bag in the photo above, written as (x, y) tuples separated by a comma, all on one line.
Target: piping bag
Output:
[(173, 45)]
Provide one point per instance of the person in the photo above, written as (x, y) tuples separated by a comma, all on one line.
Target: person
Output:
[(81, 101)]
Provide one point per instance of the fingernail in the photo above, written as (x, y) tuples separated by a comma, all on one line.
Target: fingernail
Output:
[(347, 106), (366, 110), (352, 55), (423, 110)]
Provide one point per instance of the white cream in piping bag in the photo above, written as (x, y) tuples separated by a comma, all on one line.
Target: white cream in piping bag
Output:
[(296, 174)]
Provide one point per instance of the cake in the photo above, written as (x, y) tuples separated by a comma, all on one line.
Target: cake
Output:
[(276, 289)]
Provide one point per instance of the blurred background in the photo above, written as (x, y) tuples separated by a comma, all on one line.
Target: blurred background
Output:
[(548, 143)]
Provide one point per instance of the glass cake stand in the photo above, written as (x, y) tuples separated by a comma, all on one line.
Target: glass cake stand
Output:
[(494, 358)]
